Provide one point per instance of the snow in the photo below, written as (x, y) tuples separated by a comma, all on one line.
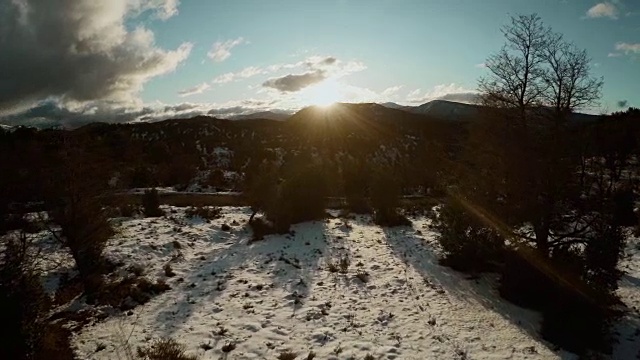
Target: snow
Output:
[(278, 294), (628, 327)]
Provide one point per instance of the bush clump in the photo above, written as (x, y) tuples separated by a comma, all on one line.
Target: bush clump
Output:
[(298, 197), (468, 244), (151, 203), (25, 306), (356, 185), (575, 316), (164, 349), (85, 230), (204, 212), (385, 200)]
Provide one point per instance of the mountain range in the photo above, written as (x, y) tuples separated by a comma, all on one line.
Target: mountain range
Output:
[(436, 109), (440, 109)]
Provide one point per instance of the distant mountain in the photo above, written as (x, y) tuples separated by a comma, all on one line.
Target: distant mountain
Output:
[(269, 115), (446, 110), (392, 105), (439, 109), (357, 114), (457, 111)]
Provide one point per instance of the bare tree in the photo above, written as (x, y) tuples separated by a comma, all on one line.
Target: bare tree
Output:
[(535, 81), (569, 85), (515, 71), (537, 67)]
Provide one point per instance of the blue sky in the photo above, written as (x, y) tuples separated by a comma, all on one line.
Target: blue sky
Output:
[(124, 60), (423, 44)]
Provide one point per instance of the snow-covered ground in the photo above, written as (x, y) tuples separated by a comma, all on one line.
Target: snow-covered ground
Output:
[(393, 302)]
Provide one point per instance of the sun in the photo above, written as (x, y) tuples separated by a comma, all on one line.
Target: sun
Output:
[(323, 94)]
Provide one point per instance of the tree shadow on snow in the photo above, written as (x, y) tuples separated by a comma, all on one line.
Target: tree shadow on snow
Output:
[(286, 262), (416, 253)]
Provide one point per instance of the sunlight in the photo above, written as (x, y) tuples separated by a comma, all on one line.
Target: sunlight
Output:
[(323, 94)]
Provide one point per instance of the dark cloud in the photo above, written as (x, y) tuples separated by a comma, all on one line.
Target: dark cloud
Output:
[(79, 51), (51, 113), (623, 103), (330, 60), (318, 69), (294, 82), (55, 114)]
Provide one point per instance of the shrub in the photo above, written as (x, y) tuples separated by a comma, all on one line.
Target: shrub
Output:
[(385, 200), (344, 264), (168, 270), (141, 176), (356, 184), (216, 179), (468, 245), (287, 355), (85, 231), (261, 228), (25, 305), (204, 212), (119, 294), (302, 196), (164, 349), (151, 203), (127, 210), (299, 197), (363, 276), (623, 204), (573, 316), (605, 245), (260, 188)]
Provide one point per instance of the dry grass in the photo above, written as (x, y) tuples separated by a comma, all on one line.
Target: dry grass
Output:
[(164, 349), (287, 355)]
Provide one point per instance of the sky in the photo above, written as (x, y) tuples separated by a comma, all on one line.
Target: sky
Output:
[(78, 61)]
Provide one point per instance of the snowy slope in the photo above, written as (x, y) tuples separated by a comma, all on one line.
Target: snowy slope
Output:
[(278, 294)]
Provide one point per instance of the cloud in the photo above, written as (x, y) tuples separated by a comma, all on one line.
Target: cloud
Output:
[(390, 91), (480, 65), (318, 68), (221, 50), (56, 114), (628, 48), (164, 9), (462, 97), (291, 82), (612, 54), (198, 89), (622, 103), (603, 9), (245, 73), (78, 52), (452, 92)]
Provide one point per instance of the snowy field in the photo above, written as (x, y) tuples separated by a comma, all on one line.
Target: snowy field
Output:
[(289, 293)]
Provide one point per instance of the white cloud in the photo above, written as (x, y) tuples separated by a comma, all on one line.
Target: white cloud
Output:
[(451, 91), (628, 48), (480, 65), (221, 50), (164, 9), (614, 54), (224, 78), (391, 91), (198, 89), (245, 73), (603, 9)]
